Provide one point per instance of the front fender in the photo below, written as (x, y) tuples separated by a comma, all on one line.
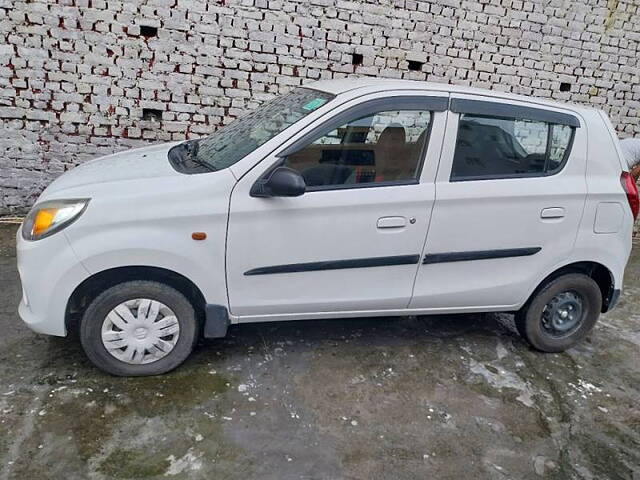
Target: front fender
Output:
[(202, 262), (152, 226)]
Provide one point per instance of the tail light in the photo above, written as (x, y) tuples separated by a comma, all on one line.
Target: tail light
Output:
[(631, 189)]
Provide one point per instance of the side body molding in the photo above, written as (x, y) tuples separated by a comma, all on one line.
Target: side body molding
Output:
[(337, 264), (479, 255)]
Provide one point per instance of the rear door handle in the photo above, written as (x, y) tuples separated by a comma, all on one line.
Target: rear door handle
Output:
[(392, 222), (554, 212)]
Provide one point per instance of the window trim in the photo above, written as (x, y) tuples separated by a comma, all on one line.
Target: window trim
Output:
[(404, 102), (509, 110), (431, 104), (545, 173), (351, 186)]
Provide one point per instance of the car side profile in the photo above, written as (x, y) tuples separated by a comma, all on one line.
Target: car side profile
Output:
[(343, 198)]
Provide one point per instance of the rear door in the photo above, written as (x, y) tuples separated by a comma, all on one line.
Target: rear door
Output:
[(510, 193), (353, 241)]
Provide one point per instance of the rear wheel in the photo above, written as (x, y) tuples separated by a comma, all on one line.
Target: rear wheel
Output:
[(139, 328), (561, 313)]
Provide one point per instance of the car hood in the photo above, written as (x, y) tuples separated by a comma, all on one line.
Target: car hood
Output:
[(136, 164)]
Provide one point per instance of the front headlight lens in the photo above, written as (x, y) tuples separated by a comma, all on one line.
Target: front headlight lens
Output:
[(49, 217)]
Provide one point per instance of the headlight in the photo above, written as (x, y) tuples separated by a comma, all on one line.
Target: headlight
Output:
[(49, 217)]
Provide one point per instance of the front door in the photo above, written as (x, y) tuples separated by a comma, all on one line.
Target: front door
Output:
[(353, 241)]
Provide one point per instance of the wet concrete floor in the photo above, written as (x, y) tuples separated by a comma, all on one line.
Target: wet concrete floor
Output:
[(444, 397)]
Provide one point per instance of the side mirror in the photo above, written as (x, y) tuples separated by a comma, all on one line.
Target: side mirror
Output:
[(281, 182)]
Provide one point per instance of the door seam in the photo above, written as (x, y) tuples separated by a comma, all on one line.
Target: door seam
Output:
[(433, 204)]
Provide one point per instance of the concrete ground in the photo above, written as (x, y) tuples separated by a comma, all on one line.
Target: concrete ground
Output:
[(445, 397)]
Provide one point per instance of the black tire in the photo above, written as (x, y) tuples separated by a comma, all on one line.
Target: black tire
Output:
[(92, 320), (529, 320)]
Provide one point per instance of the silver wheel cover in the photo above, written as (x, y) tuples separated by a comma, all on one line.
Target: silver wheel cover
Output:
[(140, 331)]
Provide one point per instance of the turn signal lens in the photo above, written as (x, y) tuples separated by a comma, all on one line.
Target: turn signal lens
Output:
[(42, 222), (49, 217)]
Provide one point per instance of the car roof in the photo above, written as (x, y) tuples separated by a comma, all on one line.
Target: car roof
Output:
[(337, 87)]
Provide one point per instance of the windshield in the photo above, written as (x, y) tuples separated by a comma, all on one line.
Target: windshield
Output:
[(233, 142)]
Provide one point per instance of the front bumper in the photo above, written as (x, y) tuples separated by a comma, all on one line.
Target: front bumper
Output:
[(49, 272)]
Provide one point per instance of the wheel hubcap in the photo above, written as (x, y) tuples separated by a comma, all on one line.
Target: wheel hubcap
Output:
[(563, 314), (140, 331)]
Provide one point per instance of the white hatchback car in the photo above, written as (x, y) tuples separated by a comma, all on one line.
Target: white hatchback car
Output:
[(346, 198)]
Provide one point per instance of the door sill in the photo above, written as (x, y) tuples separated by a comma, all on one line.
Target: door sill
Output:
[(402, 312)]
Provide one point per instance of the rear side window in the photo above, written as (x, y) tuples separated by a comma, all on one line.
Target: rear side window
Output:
[(507, 147)]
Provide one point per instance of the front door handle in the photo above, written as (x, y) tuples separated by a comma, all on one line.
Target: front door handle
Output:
[(554, 212), (392, 222)]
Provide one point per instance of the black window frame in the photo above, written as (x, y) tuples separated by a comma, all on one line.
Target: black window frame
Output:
[(505, 111), (431, 104)]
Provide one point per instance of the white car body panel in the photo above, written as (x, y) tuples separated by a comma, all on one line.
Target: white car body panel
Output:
[(130, 165), (50, 271), (132, 221), (142, 213), (498, 214), (157, 232), (324, 226)]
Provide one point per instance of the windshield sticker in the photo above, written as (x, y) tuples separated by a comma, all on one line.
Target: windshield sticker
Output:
[(314, 104)]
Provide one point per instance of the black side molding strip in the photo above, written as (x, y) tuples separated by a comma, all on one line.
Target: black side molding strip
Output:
[(479, 255), (481, 107), (337, 264)]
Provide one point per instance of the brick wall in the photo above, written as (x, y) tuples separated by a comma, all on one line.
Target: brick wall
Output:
[(82, 78)]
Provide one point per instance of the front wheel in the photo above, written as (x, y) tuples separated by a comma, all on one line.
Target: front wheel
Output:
[(139, 328), (561, 313)]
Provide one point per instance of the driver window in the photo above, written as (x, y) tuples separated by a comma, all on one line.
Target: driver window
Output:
[(382, 147)]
